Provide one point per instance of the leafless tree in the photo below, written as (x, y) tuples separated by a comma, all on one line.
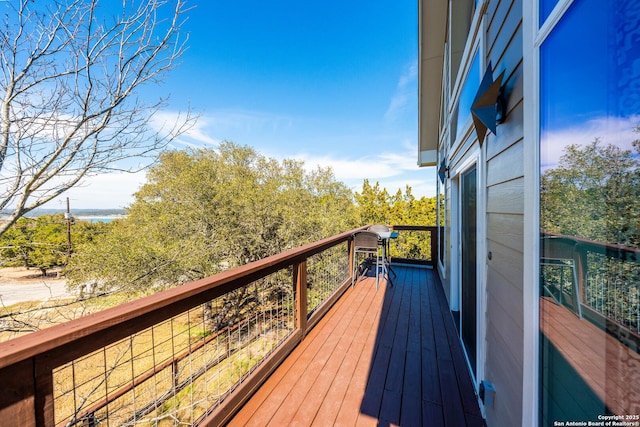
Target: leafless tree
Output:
[(71, 72)]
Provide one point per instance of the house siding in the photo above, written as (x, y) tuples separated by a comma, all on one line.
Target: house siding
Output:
[(501, 167), (504, 220)]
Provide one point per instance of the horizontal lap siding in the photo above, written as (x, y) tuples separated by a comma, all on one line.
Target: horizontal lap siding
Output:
[(505, 411), (506, 197), (505, 205), (506, 166)]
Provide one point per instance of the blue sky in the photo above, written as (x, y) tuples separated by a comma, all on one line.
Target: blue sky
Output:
[(581, 98), (332, 83)]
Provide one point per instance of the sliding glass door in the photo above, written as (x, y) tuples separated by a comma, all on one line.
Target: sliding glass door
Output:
[(590, 213), (468, 240)]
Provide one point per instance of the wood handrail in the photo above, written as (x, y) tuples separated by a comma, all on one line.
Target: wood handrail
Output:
[(129, 318), (27, 362), (414, 227), (627, 253)]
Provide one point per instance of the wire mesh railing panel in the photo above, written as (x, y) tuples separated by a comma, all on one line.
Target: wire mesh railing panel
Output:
[(176, 372), (557, 278), (326, 271), (612, 288), (411, 244)]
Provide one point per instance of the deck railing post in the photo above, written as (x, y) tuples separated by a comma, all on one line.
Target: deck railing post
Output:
[(300, 275), (27, 363), (175, 375), (350, 249), (18, 393), (581, 265), (434, 241), (43, 386)]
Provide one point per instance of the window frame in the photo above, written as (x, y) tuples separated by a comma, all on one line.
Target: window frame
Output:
[(475, 44), (534, 35)]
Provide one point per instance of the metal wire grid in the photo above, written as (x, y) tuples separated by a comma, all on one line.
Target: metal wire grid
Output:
[(178, 371), (613, 289), (326, 271), (612, 286), (411, 244), (557, 278)]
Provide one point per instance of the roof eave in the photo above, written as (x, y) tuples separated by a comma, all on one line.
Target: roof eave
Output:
[(432, 35)]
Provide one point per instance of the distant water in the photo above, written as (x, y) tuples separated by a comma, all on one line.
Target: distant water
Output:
[(98, 218), (91, 215)]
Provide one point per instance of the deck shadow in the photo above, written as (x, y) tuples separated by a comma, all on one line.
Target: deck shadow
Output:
[(418, 374)]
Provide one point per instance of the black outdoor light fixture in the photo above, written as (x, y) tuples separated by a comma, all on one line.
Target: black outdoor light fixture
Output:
[(443, 172), (489, 106)]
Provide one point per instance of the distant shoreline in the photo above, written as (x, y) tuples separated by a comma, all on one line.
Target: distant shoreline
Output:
[(78, 213), (90, 215), (101, 218)]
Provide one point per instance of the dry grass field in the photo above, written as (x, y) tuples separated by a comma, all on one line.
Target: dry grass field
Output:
[(187, 369)]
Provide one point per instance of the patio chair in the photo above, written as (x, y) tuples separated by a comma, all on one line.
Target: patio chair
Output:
[(379, 227), (366, 243), (385, 242)]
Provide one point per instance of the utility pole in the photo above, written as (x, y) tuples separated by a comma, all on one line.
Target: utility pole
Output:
[(67, 216)]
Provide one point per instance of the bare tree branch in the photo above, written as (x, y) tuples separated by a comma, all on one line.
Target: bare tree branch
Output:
[(70, 79)]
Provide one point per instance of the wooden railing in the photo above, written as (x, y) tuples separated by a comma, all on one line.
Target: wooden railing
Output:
[(41, 371), (598, 281), (416, 243)]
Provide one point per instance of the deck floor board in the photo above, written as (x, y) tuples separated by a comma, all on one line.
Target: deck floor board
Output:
[(377, 358), (607, 366)]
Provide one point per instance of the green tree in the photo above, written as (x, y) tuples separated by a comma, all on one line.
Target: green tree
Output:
[(15, 244), (594, 193), (204, 211), (36, 242), (49, 242), (377, 206), (42, 242), (374, 204)]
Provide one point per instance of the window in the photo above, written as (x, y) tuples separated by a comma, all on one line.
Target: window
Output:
[(546, 6), (461, 16), (590, 212), (467, 94)]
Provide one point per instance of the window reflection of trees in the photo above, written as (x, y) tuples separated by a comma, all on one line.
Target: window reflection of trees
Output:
[(589, 209), (594, 193)]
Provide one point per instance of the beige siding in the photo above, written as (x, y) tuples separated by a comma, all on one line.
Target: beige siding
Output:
[(506, 197), (506, 165), (503, 174), (503, 294), (505, 207), (505, 374), (508, 132), (506, 230)]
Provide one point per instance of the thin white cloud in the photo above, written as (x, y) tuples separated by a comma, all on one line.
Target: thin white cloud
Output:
[(392, 170), (102, 191), (371, 166), (610, 130), (195, 136), (213, 127), (405, 93), (424, 185), (246, 120)]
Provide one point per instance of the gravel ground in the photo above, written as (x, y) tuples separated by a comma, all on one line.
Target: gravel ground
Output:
[(20, 285)]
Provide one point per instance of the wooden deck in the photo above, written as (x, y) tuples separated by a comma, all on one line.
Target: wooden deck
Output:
[(601, 370), (384, 358)]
